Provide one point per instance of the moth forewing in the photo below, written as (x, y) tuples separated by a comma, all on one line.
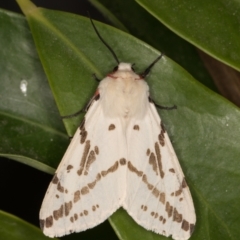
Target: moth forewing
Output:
[(78, 198)]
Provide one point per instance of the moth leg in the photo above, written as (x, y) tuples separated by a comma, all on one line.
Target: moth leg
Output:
[(96, 78), (74, 114), (160, 106), (85, 109)]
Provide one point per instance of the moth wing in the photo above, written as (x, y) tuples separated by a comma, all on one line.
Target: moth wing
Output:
[(85, 189), (157, 197)]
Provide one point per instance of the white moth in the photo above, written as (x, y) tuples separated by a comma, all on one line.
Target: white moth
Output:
[(120, 156)]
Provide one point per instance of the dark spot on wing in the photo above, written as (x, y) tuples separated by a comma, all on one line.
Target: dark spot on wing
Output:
[(161, 138), (153, 161), (111, 127), (83, 135), (76, 196), (55, 179), (169, 209), (148, 152), (111, 169), (60, 188), (69, 167), (192, 226), (67, 207), (90, 160), (185, 225), (159, 159), (177, 217), (84, 157), (122, 161), (144, 179), (96, 149), (92, 184), (162, 198), (133, 169), (136, 127), (58, 213), (84, 190), (156, 192), (49, 221)]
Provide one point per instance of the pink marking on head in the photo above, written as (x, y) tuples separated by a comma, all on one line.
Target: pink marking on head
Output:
[(111, 76)]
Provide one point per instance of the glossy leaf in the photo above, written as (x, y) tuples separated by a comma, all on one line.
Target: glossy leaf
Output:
[(14, 228), (30, 126), (204, 129), (212, 26), (145, 27)]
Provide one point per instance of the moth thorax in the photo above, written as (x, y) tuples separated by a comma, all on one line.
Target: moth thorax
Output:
[(124, 96)]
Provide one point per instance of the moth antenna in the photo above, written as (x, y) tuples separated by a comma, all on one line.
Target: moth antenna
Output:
[(147, 70), (103, 41)]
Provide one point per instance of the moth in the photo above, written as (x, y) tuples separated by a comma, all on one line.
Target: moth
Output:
[(120, 156)]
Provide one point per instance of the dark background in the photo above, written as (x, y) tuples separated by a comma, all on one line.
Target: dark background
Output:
[(74, 6), (19, 181)]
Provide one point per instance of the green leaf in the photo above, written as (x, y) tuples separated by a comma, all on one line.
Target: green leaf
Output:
[(145, 27), (204, 129), (30, 126), (127, 229), (14, 228), (109, 15), (212, 26)]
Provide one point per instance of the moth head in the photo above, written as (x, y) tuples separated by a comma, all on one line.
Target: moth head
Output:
[(124, 70), (125, 67)]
